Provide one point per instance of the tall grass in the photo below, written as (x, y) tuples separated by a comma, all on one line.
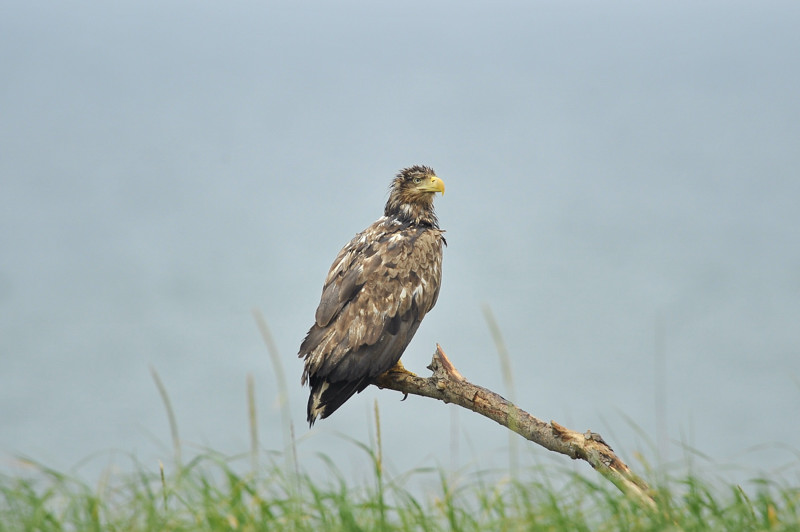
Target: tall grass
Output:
[(210, 493)]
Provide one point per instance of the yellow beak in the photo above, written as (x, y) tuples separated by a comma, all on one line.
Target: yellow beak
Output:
[(434, 184)]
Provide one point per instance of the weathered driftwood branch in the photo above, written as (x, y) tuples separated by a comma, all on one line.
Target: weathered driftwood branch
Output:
[(448, 385)]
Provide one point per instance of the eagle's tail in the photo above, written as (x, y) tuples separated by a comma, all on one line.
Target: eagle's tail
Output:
[(326, 397)]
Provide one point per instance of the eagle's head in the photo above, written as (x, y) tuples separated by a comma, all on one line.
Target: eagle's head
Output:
[(411, 195)]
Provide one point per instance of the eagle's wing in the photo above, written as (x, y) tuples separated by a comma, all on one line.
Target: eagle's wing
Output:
[(378, 290)]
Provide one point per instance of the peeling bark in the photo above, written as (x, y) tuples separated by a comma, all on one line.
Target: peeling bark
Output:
[(448, 385)]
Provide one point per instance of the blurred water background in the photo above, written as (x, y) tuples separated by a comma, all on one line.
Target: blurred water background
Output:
[(622, 192)]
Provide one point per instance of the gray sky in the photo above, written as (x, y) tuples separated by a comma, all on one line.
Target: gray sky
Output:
[(611, 170)]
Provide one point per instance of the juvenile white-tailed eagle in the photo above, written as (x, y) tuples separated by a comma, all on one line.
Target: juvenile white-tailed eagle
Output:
[(378, 290)]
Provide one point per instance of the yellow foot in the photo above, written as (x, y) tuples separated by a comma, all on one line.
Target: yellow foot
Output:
[(398, 368)]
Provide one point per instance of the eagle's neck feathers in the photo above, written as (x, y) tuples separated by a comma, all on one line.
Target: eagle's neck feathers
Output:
[(417, 212)]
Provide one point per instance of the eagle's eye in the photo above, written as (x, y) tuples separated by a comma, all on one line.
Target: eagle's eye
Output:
[(418, 180)]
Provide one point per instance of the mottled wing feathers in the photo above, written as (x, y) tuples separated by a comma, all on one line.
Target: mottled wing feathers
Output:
[(378, 290), (342, 284)]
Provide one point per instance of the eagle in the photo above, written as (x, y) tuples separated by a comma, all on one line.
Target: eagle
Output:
[(381, 285)]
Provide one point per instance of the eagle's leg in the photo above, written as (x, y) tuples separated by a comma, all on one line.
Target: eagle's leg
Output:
[(398, 368)]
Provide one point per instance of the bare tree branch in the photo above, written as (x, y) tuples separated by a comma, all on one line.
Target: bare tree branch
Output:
[(448, 385)]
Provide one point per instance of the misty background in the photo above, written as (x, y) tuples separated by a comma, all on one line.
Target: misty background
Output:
[(622, 192)]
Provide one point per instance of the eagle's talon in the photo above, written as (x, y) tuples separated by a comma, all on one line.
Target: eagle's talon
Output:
[(399, 369)]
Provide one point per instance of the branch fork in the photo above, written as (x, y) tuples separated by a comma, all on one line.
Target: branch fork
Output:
[(448, 385)]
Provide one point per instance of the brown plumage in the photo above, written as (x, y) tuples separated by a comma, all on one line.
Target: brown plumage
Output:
[(378, 290)]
